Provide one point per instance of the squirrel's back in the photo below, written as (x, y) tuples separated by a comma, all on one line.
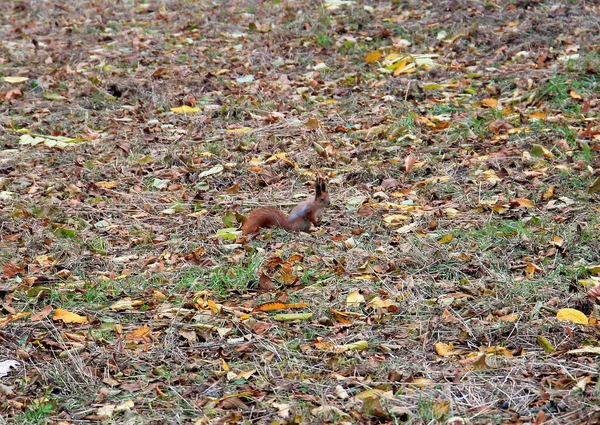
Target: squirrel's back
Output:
[(262, 218)]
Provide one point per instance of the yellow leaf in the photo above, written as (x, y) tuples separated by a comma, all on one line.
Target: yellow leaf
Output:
[(585, 350), (125, 304), (377, 302), (239, 131), (595, 187), (185, 110), (499, 351), (575, 95), (539, 150), (214, 307), (444, 350), (524, 202), (545, 344), (451, 212), (491, 103), (312, 124), (358, 346), (538, 115), (246, 374), (374, 392), (510, 318), (481, 364), (68, 317), (355, 298), (107, 185), (400, 66), (550, 192), (446, 238), (395, 218), (14, 80), (372, 57), (440, 409), (572, 315)]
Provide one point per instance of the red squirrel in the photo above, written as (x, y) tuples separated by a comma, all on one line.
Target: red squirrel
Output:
[(300, 219)]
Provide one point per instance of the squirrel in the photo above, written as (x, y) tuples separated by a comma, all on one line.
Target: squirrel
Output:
[(300, 218)]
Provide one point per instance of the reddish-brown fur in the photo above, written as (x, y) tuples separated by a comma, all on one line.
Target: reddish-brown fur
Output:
[(300, 218)]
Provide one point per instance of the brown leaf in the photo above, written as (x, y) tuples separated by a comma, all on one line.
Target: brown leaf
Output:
[(409, 162), (391, 183), (372, 407), (265, 283), (42, 314), (140, 335), (233, 189), (11, 270), (594, 293), (499, 126), (232, 403), (10, 94)]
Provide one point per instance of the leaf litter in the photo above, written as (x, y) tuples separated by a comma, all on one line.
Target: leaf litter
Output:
[(454, 279)]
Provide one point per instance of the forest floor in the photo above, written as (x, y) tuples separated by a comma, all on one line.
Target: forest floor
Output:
[(453, 280)]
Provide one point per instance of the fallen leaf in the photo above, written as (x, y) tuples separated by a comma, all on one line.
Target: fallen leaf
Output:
[(42, 314), (373, 57), (355, 298), (545, 344), (572, 315), (185, 109), (68, 317), (15, 80), (292, 316), (409, 162), (6, 366), (445, 350)]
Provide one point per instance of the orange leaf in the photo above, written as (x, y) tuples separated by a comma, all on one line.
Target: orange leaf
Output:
[(522, 202), (372, 57), (490, 103), (270, 306), (139, 335), (68, 317)]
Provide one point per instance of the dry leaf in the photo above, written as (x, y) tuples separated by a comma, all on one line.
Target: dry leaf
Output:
[(373, 57), (445, 350), (265, 283), (572, 315), (355, 298), (140, 335), (42, 314), (68, 317), (409, 162), (185, 109), (594, 293)]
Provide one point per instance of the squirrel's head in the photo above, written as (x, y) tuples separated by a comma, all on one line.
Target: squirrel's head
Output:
[(321, 195)]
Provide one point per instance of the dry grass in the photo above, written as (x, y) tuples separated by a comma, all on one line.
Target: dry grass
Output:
[(121, 67)]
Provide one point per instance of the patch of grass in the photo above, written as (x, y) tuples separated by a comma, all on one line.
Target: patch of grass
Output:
[(37, 412), (235, 278)]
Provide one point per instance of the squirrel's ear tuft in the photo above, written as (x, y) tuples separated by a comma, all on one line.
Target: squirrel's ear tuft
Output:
[(318, 187)]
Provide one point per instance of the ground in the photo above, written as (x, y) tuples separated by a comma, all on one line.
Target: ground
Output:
[(452, 280)]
